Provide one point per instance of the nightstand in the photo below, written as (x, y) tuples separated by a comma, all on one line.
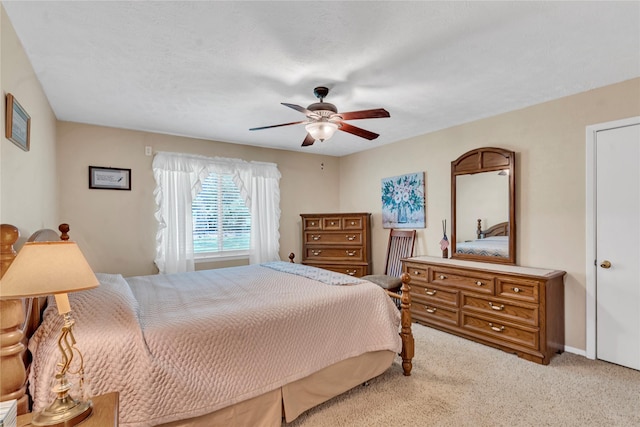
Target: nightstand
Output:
[(105, 413)]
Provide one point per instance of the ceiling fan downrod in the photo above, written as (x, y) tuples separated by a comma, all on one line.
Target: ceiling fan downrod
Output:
[(321, 92)]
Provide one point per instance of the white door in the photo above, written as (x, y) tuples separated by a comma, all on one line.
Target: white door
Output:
[(617, 217)]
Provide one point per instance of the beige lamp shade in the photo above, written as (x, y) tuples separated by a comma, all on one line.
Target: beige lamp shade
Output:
[(46, 268)]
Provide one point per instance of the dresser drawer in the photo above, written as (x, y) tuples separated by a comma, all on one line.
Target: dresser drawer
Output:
[(502, 309), (332, 223), (461, 279), (431, 313), (336, 254), (518, 289), (333, 238), (351, 270), (418, 273), (503, 331), (427, 294)]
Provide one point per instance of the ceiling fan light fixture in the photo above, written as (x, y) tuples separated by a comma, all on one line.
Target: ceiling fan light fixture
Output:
[(321, 130)]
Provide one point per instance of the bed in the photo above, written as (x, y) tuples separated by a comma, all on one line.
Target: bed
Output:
[(285, 337), (494, 241)]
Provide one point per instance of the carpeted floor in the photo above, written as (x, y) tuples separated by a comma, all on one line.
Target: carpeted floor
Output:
[(456, 382)]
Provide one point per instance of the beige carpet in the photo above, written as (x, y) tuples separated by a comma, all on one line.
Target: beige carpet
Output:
[(456, 382)]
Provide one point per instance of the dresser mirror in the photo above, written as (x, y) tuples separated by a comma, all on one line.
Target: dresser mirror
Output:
[(483, 207)]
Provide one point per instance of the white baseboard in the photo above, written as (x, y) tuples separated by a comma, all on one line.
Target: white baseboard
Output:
[(574, 350)]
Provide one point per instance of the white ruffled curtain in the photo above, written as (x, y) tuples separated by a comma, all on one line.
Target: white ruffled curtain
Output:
[(179, 180)]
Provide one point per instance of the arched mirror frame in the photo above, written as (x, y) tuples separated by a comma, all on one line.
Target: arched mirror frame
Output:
[(486, 159)]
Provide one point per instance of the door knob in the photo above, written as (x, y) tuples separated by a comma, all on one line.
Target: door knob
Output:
[(605, 264)]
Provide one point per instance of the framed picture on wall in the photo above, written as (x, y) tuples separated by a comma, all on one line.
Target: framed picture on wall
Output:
[(103, 178), (403, 201), (17, 124)]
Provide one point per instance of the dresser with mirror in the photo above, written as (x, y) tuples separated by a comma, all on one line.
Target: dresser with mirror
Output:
[(480, 293)]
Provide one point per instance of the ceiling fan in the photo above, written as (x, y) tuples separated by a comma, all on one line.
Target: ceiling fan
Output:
[(323, 119)]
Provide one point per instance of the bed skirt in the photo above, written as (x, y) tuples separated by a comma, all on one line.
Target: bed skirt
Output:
[(291, 400)]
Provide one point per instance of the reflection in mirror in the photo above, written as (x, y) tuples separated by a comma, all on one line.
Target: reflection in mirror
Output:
[(483, 196), (483, 206)]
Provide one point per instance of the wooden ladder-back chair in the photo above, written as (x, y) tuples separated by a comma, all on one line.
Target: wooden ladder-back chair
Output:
[(400, 246)]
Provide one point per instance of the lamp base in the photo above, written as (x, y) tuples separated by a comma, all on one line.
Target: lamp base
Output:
[(63, 412)]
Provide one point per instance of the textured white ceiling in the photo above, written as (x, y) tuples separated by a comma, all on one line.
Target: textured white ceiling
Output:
[(213, 70)]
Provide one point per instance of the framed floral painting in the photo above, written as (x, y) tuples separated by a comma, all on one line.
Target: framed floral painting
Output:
[(403, 201)]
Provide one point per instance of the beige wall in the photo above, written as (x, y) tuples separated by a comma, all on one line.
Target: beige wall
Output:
[(549, 141), (117, 229), (28, 186)]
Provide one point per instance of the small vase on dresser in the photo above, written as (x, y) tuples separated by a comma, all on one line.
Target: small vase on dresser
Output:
[(516, 309)]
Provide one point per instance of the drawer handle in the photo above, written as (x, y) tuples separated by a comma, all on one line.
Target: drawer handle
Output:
[(315, 237), (431, 293), (351, 238), (351, 272), (479, 283), (316, 253), (351, 253), (313, 223), (416, 273), (353, 223), (333, 223), (430, 310), (497, 307), (517, 290), (442, 277), (496, 328)]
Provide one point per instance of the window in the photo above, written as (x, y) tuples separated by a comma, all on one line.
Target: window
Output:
[(221, 221)]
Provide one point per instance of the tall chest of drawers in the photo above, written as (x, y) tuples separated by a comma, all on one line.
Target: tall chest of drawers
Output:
[(337, 242), (517, 309)]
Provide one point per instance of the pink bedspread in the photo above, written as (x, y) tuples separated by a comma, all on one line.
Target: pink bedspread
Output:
[(181, 345)]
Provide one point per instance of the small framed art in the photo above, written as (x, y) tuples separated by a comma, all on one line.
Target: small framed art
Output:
[(103, 178), (17, 124)]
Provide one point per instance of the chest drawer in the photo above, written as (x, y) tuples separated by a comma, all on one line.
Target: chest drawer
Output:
[(332, 223), (351, 270), (312, 223), (504, 331), (472, 281), (333, 238), (502, 309), (518, 289), (352, 223), (342, 254), (433, 294)]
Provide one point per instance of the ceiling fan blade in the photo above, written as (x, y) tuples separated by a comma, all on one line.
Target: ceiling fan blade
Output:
[(365, 114), (275, 126), (297, 108), (308, 140), (346, 127)]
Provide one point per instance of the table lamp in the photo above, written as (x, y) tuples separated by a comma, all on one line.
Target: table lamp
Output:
[(45, 268)]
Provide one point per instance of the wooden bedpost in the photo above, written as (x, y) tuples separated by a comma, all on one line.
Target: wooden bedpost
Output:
[(405, 323), (13, 375)]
